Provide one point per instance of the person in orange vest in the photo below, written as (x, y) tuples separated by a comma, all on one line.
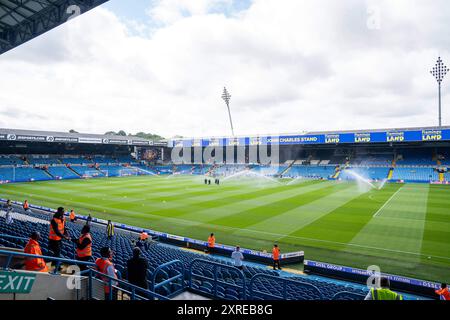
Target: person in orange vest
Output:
[(443, 292), (143, 236), (105, 266), (33, 247), (57, 233), (26, 206), (276, 257), (84, 246), (72, 216), (211, 243)]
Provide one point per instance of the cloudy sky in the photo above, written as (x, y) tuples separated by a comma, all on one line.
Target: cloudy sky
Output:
[(291, 65)]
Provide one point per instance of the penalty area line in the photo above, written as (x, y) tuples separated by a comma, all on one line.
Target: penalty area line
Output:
[(376, 214)]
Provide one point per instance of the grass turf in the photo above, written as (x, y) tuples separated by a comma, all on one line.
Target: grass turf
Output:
[(404, 229)]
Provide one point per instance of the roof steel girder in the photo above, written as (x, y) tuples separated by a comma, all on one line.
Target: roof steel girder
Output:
[(52, 14)]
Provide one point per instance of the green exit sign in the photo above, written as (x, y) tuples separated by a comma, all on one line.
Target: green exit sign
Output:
[(16, 282)]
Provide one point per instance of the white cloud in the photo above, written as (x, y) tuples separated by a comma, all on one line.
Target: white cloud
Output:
[(290, 66), (170, 11)]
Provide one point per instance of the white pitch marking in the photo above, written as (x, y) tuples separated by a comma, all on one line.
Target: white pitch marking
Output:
[(379, 210)]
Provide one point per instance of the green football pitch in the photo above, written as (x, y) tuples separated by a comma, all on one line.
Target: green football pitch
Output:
[(402, 228)]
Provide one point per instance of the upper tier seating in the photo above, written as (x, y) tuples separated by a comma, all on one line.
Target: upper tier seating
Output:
[(103, 159), (42, 160), (9, 160), (125, 159), (373, 160), (416, 158), (75, 160)]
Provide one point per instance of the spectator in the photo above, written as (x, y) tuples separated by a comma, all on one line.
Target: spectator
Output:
[(57, 233), (237, 256), (72, 216), (84, 246), (143, 236), (211, 243), (443, 292), (110, 230), (137, 269), (89, 219), (383, 293), (26, 206), (8, 209), (105, 266), (276, 257), (33, 247)]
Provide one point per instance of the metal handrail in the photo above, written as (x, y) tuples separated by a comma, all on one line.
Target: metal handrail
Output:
[(215, 271), (155, 285), (285, 284), (109, 281), (11, 254), (348, 293)]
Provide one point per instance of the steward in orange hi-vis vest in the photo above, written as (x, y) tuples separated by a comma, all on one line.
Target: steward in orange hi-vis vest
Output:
[(211, 241), (102, 266), (72, 216), (106, 267), (57, 235), (276, 257), (143, 236), (33, 247), (86, 251)]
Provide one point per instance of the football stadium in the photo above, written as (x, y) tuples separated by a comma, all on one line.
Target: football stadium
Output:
[(317, 215)]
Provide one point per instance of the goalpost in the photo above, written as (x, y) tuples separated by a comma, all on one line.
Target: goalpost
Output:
[(95, 174), (128, 172)]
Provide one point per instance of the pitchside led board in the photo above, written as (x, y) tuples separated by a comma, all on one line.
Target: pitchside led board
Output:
[(396, 136)]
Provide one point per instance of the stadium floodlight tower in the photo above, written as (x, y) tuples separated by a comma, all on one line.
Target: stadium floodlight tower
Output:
[(226, 97), (439, 71)]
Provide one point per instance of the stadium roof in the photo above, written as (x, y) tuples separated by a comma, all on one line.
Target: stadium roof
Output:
[(23, 20), (65, 137), (304, 133)]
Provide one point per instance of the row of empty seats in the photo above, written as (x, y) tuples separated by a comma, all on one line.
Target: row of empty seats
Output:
[(415, 174)]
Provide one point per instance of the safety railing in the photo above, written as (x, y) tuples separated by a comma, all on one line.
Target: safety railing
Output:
[(134, 292), (58, 261), (113, 285), (345, 295), (215, 281), (177, 280), (253, 293)]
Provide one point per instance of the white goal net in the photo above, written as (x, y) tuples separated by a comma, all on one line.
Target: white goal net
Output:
[(128, 172), (95, 174)]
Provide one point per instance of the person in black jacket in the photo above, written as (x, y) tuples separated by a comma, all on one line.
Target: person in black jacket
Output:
[(137, 269)]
